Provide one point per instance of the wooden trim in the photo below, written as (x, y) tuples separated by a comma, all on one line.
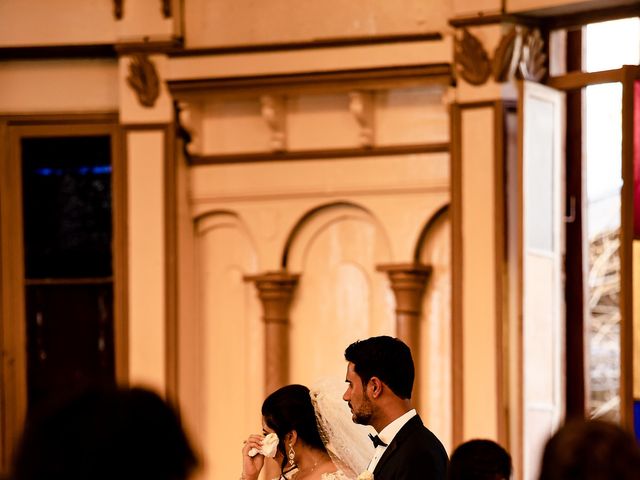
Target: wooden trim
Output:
[(308, 45), (591, 16), (14, 391), (457, 293), (119, 179), (500, 232), (152, 46), (315, 81), (577, 80), (69, 281), (5, 387), (58, 52), (629, 74), (136, 127), (41, 119), (520, 286), (171, 263), (495, 19), (320, 154), (477, 104), (575, 260)]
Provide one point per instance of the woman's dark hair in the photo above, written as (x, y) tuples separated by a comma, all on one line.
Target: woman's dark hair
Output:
[(480, 459), (104, 434), (590, 450), (384, 357), (289, 408)]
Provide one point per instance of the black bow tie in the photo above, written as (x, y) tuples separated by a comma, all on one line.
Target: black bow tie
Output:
[(376, 441)]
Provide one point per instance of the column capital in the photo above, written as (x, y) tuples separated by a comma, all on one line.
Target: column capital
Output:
[(408, 282), (275, 290)]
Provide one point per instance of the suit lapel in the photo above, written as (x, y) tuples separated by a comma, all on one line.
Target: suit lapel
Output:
[(404, 433)]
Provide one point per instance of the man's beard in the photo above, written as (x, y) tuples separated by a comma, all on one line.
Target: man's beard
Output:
[(364, 413)]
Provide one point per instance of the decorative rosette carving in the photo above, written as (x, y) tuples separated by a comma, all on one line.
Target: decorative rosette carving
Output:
[(118, 9), (143, 79), (533, 59), (472, 61), (504, 61), (166, 8)]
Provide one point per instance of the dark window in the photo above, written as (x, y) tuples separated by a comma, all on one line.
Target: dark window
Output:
[(67, 217), (67, 206)]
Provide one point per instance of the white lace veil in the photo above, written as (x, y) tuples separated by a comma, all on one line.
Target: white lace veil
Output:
[(348, 444)]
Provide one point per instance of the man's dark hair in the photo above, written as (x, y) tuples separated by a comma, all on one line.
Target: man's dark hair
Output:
[(384, 357), (480, 460)]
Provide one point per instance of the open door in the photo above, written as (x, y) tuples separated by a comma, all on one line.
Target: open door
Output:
[(541, 154)]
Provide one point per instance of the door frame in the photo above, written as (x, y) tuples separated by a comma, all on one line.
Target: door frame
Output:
[(13, 362)]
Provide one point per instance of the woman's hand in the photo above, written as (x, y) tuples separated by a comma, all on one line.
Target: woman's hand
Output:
[(251, 466)]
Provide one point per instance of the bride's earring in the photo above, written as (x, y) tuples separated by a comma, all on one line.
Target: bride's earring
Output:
[(292, 455)]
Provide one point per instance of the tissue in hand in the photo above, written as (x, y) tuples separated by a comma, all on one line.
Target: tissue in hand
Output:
[(269, 446)]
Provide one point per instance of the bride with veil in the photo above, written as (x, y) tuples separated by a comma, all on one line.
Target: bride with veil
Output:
[(310, 435)]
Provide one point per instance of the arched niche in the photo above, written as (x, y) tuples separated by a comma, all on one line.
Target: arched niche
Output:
[(340, 297)]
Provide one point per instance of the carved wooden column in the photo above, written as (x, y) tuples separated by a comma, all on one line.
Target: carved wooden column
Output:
[(408, 282), (275, 290)]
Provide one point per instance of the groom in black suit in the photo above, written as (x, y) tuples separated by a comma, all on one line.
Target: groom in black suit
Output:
[(380, 379)]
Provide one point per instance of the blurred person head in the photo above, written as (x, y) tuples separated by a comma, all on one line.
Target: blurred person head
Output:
[(103, 434), (480, 460), (590, 450)]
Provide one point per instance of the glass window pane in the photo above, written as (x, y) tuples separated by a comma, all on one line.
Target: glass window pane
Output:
[(67, 206), (603, 105), (610, 45), (70, 338)]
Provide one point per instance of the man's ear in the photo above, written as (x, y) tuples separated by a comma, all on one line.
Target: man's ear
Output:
[(375, 387)]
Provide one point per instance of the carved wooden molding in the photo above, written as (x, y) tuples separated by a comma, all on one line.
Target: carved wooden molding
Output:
[(520, 51), (166, 8), (189, 119), (505, 61), (198, 158), (275, 290), (274, 114), (533, 59), (118, 9), (361, 105), (472, 61), (143, 79), (337, 81)]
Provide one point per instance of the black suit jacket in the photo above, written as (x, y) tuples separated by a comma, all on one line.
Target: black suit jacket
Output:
[(414, 453)]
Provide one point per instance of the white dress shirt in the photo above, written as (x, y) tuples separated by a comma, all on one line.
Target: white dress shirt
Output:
[(387, 435)]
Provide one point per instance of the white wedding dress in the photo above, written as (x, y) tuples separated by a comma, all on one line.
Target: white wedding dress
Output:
[(337, 475), (347, 443)]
